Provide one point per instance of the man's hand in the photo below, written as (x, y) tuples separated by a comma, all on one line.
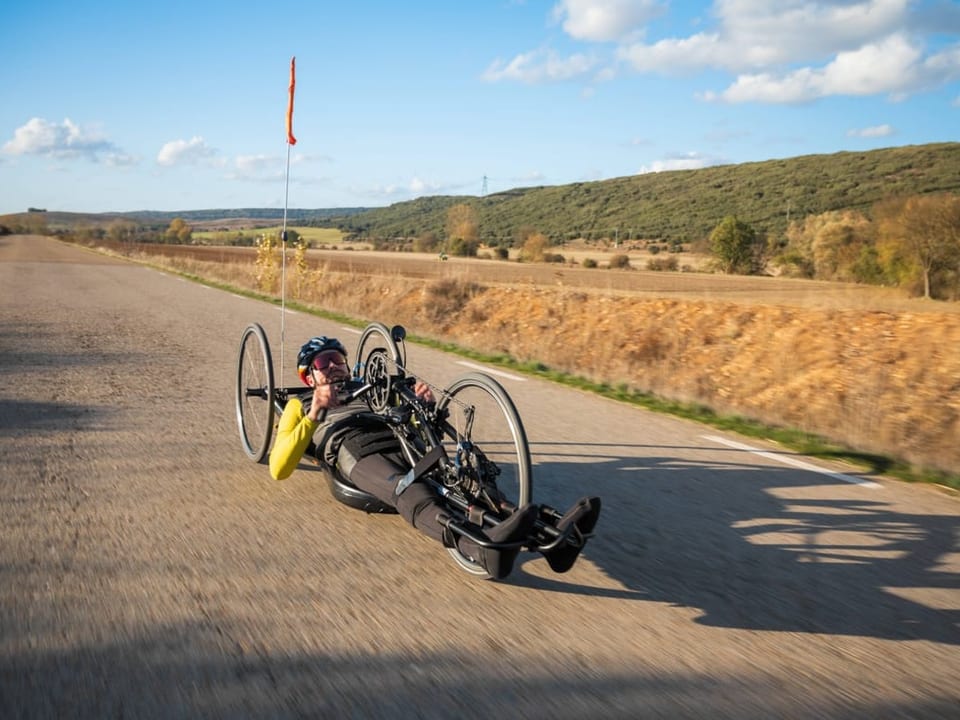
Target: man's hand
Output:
[(324, 396), (423, 392), (327, 385)]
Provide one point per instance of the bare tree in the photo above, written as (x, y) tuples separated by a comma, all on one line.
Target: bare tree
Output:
[(462, 224), (923, 230)]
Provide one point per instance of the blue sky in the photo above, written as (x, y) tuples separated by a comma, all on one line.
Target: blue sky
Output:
[(119, 106)]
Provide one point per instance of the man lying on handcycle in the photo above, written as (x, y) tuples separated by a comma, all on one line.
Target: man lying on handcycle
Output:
[(365, 453)]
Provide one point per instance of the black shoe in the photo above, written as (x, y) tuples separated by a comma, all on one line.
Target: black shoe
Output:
[(583, 515), (517, 527)]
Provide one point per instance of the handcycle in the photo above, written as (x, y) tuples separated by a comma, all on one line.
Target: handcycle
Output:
[(469, 444)]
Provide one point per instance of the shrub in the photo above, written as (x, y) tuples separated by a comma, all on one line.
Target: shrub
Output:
[(667, 263), (534, 247), (619, 262), (426, 242), (589, 263), (267, 262), (444, 298), (463, 248)]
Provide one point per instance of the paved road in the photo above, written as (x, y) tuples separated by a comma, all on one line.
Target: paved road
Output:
[(148, 569)]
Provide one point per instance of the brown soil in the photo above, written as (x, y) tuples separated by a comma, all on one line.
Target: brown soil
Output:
[(862, 366)]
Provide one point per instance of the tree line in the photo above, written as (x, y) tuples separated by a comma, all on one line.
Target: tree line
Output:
[(907, 242), (910, 242)]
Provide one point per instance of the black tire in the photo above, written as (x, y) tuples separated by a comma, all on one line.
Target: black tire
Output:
[(377, 359), (255, 410), (497, 431)]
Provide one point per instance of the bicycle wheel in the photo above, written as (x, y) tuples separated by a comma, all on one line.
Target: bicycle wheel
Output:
[(378, 357), (255, 392), (484, 430)]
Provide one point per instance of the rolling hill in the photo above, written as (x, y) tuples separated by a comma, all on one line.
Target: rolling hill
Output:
[(679, 206), (685, 205)]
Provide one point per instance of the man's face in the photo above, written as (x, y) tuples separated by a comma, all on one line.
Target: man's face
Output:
[(329, 367)]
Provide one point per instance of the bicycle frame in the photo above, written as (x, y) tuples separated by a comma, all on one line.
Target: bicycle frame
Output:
[(469, 445), (419, 429)]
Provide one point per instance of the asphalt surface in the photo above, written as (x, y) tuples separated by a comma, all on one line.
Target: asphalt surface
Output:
[(149, 569)]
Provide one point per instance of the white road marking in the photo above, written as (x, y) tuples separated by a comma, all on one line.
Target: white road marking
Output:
[(787, 460), (490, 371)]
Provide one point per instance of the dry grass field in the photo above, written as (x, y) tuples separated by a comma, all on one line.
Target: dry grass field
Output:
[(862, 366)]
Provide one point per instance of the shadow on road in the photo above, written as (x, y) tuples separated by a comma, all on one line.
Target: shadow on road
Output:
[(738, 543), (149, 676)]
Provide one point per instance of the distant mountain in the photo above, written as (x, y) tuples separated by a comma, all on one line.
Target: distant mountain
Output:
[(162, 218), (297, 215)]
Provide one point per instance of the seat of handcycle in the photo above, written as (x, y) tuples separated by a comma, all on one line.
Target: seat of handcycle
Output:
[(349, 494), (345, 491)]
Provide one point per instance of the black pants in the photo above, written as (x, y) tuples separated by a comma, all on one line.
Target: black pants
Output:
[(418, 504)]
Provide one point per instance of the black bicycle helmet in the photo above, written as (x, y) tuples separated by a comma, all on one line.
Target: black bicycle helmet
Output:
[(313, 347)]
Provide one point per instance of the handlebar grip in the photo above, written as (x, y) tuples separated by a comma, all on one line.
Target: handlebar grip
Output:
[(352, 390)]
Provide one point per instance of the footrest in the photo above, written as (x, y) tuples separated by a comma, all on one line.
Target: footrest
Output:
[(458, 529)]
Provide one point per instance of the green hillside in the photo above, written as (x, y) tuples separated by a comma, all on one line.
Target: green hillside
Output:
[(684, 205)]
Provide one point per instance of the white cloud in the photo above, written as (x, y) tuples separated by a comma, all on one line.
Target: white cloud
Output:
[(758, 34), (257, 167), (272, 168), (604, 20), (65, 140), (752, 35), (892, 66), (687, 161), (185, 152), (418, 186), (539, 66), (118, 159), (943, 66), (784, 52), (872, 132), (883, 67), (415, 187), (674, 55)]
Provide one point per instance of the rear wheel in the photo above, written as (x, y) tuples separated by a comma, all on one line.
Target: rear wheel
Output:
[(254, 396), (484, 434)]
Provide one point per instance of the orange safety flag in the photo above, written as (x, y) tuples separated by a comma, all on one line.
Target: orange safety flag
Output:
[(293, 83)]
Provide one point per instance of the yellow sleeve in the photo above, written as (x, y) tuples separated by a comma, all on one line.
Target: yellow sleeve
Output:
[(293, 435)]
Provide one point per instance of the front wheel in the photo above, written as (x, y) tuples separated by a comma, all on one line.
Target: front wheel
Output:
[(378, 359), (254, 394), (483, 433)]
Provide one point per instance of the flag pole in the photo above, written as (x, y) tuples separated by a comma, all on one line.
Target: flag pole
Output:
[(291, 140)]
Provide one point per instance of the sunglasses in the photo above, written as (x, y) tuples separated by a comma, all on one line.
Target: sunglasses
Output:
[(330, 362)]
